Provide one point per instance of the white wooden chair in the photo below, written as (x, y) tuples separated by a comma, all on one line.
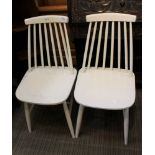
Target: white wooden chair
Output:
[(44, 83), (107, 87)]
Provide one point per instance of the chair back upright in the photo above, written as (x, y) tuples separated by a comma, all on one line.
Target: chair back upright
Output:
[(100, 25), (49, 31)]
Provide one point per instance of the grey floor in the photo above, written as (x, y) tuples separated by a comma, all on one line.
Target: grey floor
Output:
[(101, 132)]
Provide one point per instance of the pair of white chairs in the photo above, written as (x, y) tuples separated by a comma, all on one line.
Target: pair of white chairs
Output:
[(50, 82)]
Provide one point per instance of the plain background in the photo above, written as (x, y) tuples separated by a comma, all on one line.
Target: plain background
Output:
[(148, 77)]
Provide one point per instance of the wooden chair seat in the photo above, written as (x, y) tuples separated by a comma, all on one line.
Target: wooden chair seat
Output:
[(107, 89), (46, 85)]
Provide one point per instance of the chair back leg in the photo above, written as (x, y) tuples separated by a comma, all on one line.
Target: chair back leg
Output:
[(79, 120), (68, 118), (27, 116), (126, 125)]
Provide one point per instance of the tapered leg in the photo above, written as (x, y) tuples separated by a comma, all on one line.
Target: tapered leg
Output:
[(68, 118), (27, 116), (126, 125), (79, 120)]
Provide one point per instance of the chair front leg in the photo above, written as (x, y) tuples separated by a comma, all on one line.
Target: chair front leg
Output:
[(79, 120), (126, 125), (27, 116), (68, 118)]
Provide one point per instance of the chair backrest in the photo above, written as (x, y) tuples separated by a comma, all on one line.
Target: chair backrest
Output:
[(51, 31), (100, 24)]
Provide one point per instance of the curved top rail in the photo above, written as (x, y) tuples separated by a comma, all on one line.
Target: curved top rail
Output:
[(111, 17), (47, 19)]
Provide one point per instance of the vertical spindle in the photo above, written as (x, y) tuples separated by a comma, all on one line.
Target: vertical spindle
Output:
[(92, 45), (105, 44)]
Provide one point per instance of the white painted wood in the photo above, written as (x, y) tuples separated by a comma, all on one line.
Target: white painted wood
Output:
[(126, 125), (64, 44), (79, 120), (119, 45), (112, 46), (105, 44), (68, 46), (131, 48), (86, 46), (47, 45), (105, 88), (58, 43), (53, 45), (34, 48), (99, 44), (111, 17), (41, 45), (27, 116), (47, 19), (92, 45), (125, 46), (29, 47), (68, 118), (46, 86)]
